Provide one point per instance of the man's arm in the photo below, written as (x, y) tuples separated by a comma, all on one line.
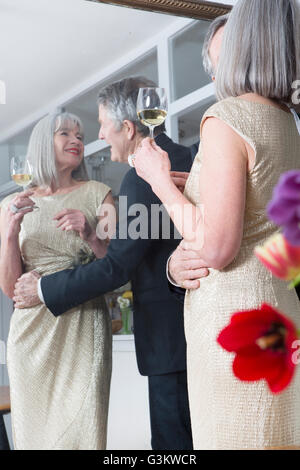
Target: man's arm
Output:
[(184, 265), (69, 288)]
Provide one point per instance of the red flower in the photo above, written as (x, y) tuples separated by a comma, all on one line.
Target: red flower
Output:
[(263, 342)]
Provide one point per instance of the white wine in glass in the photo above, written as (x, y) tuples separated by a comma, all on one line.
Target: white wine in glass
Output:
[(21, 171), (22, 179), (152, 107), (152, 117)]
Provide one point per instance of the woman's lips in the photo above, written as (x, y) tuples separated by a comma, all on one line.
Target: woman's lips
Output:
[(73, 151)]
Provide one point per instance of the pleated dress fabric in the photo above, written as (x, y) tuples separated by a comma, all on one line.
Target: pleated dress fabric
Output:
[(225, 412), (59, 367)]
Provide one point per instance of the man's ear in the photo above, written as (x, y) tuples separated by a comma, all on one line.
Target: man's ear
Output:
[(130, 129)]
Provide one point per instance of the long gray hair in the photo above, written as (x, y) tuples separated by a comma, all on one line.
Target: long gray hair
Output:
[(41, 154), (119, 98), (260, 51)]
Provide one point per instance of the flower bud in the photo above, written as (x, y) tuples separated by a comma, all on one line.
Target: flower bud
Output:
[(281, 258)]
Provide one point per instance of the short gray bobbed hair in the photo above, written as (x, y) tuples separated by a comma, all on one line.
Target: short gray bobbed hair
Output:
[(120, 98), (215, 25), (41, 152), (260, 51)]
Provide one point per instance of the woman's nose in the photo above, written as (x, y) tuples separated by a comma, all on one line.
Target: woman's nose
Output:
[(76, 140)]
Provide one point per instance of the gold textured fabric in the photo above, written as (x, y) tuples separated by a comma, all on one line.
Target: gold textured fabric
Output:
[(225, 412), (59, 368)]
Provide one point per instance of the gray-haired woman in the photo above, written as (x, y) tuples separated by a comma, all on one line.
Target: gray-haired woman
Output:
[(59, 368), (247, 140)]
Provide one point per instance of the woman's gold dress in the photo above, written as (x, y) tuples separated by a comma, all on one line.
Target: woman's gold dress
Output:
[(225, 412), (59, 368)]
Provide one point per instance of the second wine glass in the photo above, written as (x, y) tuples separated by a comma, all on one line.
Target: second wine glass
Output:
[(152, 107)]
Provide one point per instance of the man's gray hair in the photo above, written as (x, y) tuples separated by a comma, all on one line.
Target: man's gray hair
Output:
[(218, 23), (260, 50), (119, 99), (41, 153)]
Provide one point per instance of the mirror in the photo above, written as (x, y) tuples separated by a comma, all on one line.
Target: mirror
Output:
[(190, 8), (154, 43)]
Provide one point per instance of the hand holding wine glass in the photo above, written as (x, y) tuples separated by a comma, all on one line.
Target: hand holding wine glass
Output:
[(22, 174), (152, 164)]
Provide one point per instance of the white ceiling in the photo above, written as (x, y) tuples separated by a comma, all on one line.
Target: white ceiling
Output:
[(48, 47)]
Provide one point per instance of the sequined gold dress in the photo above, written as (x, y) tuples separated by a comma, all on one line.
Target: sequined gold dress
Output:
[(59, 368), (227, 413)]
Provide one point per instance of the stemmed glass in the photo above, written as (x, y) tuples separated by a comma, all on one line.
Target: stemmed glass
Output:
[(152, 107), (21, 172)]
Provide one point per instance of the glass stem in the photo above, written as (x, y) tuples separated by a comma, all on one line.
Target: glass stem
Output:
[(151, 133)]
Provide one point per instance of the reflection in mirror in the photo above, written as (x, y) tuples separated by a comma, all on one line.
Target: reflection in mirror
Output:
[(189, 123), (159, 46), (86, 104), (185, 51)]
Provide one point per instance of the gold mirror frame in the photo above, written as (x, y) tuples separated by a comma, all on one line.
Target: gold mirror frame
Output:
[(197, 9)]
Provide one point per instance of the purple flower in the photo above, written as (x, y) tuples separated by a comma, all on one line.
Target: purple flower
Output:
[(284, 208)]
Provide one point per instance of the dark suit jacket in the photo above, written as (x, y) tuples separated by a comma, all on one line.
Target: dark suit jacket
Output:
[(158, 316), (298, 291)]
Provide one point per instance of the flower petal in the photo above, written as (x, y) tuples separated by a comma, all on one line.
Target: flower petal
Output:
[(236, 337), (246, 327), (281, 211), (288, 185), (292, 233), (283, 379), (259, 366)]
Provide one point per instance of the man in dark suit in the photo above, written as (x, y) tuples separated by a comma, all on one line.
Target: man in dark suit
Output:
[(158, 316)]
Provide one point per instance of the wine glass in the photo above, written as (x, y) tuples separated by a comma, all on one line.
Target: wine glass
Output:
[(152, 107), (21, 172)]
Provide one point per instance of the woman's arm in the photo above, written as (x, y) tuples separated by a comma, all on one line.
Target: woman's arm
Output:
[(74, 219), (215, 229), (10, 256), (106, 227)]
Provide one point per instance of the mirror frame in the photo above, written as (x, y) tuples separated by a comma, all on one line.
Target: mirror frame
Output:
[(197, 9)]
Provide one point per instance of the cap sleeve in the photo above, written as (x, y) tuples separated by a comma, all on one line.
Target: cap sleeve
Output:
[(100, 191), (236, 115)]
